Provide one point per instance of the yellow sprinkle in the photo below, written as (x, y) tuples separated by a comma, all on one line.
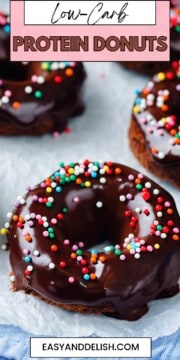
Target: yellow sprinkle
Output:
[(106, 167), (44, 66), (161, 76), (71, 171), (136, 109), (48, 189), (87, 183), (129, 247), (164, 120), (4, 231), (156, 246)]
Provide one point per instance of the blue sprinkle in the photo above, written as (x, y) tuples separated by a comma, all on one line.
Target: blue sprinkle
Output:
[(86, 277), (6, 28), (58, 189), (93, 174), (27, 259), (138, 101), (94, 251), (107, 249), (137, 92)]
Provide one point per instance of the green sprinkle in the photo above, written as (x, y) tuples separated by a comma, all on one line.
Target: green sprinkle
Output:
[(159, 227), (50, 230), (139, 186), (48, 204), (65, 210), (73, 177), (117, 252), (177, 28), (51, 235), (79, 252), (67, 179), (38, 94), (71, 164)]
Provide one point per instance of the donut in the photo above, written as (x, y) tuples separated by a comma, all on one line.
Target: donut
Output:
[(37, 97), (152, 67), (96, 237), (4, 36), (175, 29), (154, 129), (145, 67)]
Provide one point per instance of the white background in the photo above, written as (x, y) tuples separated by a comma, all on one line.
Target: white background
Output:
[(139, 12)]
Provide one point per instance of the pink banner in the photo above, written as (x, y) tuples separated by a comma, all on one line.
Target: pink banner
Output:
[(90, 42)]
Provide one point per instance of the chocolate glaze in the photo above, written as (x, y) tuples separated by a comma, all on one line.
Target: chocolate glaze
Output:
[(101, 202), (175, 29), (4, 37), (157, 112), (36, 92)]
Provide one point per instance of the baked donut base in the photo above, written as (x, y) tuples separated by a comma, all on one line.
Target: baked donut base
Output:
[(45, 124), (105, 308), (139, 148)]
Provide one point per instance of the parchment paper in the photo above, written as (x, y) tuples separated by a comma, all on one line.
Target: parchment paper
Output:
[(100, 133)]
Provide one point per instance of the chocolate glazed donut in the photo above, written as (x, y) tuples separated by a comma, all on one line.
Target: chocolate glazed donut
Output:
[(154, 130), (175, 29), (36, 97), (57, 230)]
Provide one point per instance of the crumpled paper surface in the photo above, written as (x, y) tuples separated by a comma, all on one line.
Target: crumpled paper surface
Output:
[(100, 133)]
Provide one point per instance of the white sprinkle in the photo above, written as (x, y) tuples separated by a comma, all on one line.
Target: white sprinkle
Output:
[(40, 80), (51, 265), (122, 198), (163, 235), (99, 204), (148, 185), (28, 89), (12, 278), (102, 180), (22, 201), (27, 217), (36, 253), (155, 191), (54, 66), (5, 99), (30, 268), (159, 214), (9, 215), (161, 155), (137, 256)]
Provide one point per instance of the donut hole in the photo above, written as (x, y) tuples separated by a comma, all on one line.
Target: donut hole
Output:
[(13, 71), (97, 220)]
